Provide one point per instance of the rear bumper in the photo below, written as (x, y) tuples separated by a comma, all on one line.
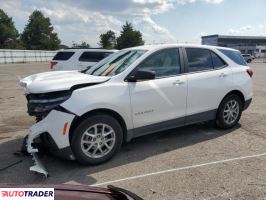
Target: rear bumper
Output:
[(247, 103)]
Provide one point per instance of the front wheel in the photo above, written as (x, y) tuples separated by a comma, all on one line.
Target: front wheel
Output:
[(229, 112), (96, 139)]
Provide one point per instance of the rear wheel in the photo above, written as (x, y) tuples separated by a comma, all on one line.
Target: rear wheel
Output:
[(229, 112), (96, 139)]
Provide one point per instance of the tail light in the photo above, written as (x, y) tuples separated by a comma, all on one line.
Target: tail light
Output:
[(53, 63), (250, 72)]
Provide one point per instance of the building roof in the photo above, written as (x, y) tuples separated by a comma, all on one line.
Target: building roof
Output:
[(235, 37)]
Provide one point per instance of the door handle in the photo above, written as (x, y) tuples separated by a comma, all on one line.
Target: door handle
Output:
[(222, 75), (178, 82)]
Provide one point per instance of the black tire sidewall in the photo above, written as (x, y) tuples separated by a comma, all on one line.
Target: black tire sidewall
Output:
[(220, 119), (81, 157)]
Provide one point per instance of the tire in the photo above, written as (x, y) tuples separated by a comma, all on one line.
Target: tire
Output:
[(227, 116), (249, 61), (90, 135)]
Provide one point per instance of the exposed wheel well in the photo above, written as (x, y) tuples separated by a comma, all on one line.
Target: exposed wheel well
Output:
[(238, 93), (112, 113)]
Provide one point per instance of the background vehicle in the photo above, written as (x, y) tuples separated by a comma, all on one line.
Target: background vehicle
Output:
[(134, 92), (248, 58), (78, 59), (80, 192)]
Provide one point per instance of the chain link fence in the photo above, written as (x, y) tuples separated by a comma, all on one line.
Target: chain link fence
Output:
[(25, 56)]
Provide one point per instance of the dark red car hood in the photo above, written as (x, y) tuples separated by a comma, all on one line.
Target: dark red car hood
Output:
[(75, 192)]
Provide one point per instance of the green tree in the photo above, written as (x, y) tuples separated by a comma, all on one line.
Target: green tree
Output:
[(82, 45), (108, 40), (38, 33), (8, 33), (129, 37)]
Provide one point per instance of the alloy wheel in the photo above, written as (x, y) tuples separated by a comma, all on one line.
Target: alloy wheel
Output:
[(231, 111), (98, 140)]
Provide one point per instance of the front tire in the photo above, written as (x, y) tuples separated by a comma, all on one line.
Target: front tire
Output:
[(229, 112), (96, 139)]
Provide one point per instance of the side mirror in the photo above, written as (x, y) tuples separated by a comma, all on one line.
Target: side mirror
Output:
[(141, 75)]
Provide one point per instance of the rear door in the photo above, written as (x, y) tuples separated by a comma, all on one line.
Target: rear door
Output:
[(90, 58), (209, 80)]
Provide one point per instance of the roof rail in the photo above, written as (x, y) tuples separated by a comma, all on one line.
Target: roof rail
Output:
[(86, 48)]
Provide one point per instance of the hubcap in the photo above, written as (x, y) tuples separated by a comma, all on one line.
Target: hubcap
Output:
[(231, 111), (98, 140)]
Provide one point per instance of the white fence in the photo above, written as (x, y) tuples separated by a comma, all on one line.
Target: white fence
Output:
[(23, 56)]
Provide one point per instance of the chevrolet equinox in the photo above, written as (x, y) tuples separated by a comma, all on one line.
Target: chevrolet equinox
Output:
[(87, 115)]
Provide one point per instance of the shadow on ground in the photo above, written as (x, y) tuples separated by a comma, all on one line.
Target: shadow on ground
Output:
[(62, 171)]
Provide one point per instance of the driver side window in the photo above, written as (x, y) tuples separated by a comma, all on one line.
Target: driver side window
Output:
[(163, 63)]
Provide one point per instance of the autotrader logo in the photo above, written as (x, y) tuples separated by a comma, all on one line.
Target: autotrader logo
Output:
[(27, 193)]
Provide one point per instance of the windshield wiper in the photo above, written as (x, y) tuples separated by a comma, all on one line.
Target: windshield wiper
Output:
[(84, 70)]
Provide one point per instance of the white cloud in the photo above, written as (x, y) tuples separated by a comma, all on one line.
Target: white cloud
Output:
[(214, 1), (159, 6), (203, 34), (13, 8), (258, 29), (80, 24), (153, 30), (86, 19)]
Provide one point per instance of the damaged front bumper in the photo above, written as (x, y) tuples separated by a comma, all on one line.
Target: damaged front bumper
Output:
[(57, 125)]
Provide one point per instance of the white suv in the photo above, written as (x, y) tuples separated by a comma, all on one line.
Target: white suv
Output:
[(78, 59), (136, 91)]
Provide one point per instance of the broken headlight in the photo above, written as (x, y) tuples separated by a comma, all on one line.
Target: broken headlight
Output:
[(40, 105)]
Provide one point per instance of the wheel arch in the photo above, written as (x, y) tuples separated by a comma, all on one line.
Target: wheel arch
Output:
[(114, 114), (235, 92)]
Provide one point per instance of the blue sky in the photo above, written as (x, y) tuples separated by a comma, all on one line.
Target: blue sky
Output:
[(160, 21)]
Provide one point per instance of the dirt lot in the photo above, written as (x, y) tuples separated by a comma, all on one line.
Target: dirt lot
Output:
[(194, 162)]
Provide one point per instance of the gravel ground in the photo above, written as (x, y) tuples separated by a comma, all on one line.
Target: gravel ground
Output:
[(203, 162)]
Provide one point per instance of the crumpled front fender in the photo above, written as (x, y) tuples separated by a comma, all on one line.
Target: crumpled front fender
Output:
[(57, 124)]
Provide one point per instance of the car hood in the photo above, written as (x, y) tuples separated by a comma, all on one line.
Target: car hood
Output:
[(74, 192), (58, 80)]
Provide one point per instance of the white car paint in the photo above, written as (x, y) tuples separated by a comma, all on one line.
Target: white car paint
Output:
[(58, 80), (138, 103), (205, 90), (74, 62), (161, 99)]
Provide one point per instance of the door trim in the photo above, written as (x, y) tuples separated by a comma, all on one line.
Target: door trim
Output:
[(170, 124)]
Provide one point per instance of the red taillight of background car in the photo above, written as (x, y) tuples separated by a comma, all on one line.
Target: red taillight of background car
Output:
[(250, 72), (53, 63)]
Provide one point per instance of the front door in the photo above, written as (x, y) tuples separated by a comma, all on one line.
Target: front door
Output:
[(163, 99)]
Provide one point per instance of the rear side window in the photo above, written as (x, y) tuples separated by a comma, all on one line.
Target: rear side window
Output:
[(217, 61), (203, 59), (199, 59), (93, 56), (63, 55), (235, 56)]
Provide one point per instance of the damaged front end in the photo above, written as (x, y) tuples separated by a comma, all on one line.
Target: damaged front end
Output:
[(51, 120), (46, 92), (39, 105)]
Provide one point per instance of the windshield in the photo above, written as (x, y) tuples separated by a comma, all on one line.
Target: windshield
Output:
[(115, 63)]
